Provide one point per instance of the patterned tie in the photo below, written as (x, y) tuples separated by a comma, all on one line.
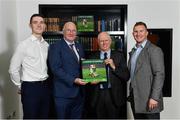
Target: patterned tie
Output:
[(72, 48)]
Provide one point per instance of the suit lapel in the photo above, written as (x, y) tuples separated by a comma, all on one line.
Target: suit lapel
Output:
[(141, 58), (78, 50), (67, 48), (130, 56)]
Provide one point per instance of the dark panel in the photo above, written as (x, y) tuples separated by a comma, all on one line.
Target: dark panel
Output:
[(163, 39)]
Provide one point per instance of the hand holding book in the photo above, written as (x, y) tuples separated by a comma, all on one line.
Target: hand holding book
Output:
[(94, 71), (80, 81), (110, 63)]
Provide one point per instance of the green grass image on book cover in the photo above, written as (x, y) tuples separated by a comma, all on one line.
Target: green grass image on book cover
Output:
[(94, 70), (85, 23)]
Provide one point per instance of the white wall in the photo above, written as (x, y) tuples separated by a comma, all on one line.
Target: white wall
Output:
[(161, 15), (156, 13), (8, 38)]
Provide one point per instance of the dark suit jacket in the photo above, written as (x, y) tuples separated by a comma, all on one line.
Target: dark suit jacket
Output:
[(65, 69), (118, 79)]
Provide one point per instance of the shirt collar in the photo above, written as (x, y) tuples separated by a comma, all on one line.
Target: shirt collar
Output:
[(69, 43), (142, 45), (34, 38), (108, 53)]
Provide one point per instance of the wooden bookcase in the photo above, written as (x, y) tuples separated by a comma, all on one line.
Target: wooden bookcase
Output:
[(110, 18)]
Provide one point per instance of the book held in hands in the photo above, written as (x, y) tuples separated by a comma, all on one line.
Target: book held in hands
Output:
[(94, 70)]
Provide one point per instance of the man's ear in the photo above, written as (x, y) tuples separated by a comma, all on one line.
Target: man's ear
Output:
[(147, 33), (30, 25), (45, 27)]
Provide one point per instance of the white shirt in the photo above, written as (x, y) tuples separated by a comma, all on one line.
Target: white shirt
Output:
[(29, 62)]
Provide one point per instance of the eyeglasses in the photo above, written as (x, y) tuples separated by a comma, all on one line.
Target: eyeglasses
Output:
[(70, 31)]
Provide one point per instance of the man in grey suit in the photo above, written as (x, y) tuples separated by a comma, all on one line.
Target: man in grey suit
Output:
[(146, 65)]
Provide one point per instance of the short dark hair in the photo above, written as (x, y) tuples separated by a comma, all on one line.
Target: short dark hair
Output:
[(35, 15), (140, 23)]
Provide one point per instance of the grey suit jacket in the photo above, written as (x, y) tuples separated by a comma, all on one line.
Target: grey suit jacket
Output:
[(148, 78)]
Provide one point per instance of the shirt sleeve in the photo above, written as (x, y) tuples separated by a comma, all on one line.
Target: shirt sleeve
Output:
[(16, 64)]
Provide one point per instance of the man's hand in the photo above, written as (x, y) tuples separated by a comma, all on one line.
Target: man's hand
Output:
[(152, 104), (19, 91), (110, 62), (80, 81), (94, 82)]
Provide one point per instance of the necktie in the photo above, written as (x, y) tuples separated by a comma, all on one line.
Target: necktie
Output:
[(74, 52), (105, 55), (105, 84)]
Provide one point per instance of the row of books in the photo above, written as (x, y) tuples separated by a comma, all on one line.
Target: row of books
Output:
[(91, 43), (112, 23), (55, 24), (51, 40), (85, 23)]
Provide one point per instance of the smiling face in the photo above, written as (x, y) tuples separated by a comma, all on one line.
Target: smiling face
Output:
[(37, 25), (69, 31), (140, 33), (104, 41)]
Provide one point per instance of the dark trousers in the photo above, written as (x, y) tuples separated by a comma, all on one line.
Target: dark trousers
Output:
[(35, 98), (106, 109), (147, 116), (142, 115), (69, 108)]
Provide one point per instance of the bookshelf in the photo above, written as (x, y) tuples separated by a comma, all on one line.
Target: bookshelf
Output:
[(109, 18)]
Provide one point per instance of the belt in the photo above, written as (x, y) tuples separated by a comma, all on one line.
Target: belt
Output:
[(38, 82)]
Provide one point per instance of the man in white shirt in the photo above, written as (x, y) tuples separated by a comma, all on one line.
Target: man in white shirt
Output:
[(28, 70)]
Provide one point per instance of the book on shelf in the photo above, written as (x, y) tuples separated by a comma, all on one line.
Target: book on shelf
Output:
[(94, 70), (52, 24), (85, 23)]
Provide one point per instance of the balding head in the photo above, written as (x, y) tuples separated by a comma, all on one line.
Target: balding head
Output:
[(69, 31), (67, 24), (104, 41)]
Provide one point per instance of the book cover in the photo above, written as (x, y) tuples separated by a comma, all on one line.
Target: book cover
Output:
[(85, 23), (94, 70)]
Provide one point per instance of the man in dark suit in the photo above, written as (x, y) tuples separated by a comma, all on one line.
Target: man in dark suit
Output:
[(108, 100), (146, 64), (64, 61)]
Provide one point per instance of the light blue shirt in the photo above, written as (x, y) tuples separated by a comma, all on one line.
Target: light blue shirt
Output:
[(102, 54), (138, 48)]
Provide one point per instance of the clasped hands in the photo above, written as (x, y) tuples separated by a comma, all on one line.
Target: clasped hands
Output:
[(79, 81)]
